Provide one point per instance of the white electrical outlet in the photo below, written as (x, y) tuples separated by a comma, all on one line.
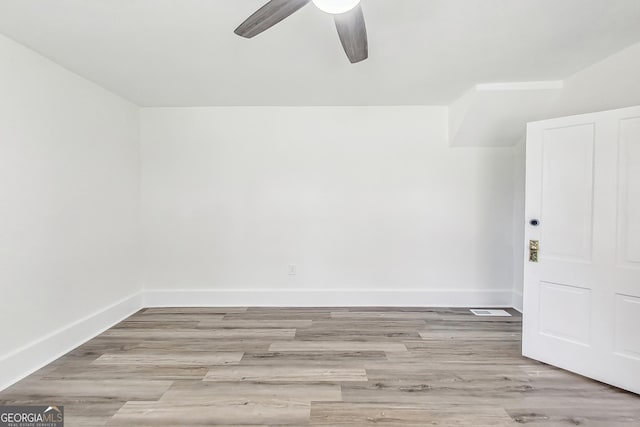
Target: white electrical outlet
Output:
[(292, 269)]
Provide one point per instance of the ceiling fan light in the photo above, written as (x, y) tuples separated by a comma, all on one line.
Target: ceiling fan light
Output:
[(335, 7)]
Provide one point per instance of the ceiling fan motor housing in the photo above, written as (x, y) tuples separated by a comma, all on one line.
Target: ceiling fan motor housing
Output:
[(336, 7)]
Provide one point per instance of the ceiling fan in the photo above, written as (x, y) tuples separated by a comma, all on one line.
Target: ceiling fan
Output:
[(347, 15)]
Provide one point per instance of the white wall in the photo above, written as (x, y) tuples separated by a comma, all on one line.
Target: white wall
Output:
[(370, 204), (609, 84), (69, 174)]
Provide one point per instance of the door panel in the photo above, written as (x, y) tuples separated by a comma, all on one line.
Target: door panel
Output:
[(629, 206), (627, 340), (567, 192), (565, 312), (582, 297)]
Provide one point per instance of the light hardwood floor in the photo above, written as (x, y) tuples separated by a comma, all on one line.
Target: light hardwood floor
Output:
[(317, 366)]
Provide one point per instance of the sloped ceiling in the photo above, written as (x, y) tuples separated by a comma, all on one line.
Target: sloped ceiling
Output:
[(184, 52), (497, 114)]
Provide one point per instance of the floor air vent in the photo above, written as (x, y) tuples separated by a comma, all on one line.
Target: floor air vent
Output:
[(484, 312)]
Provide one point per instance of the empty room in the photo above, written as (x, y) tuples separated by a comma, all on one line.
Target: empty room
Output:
[(320, 213)]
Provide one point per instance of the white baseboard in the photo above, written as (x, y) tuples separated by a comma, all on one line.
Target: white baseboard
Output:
[(517, 301), (328, 298), (39, 353)]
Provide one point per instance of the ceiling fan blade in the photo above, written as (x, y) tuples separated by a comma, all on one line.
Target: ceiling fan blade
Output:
[(353, 34), (268, 16)]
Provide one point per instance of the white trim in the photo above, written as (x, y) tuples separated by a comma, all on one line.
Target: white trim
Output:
[(541, 85), (328, 298), (517, 301), (42, 351)]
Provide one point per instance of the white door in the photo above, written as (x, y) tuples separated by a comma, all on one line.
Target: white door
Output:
[(582, 296)]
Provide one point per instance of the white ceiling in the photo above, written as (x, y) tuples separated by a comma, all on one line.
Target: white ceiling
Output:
[(184, 52)]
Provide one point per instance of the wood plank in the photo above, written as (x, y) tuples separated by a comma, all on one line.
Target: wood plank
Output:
[(252, 324), (203, 344), (364, 414), (170, 359), (338, 359), (587, 415), (150, 334), (226, 411), (120, 372), (394, 315), (204, 392), (284, 374), (177, 317), (131, 389), (336, 346), (194, 310)]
